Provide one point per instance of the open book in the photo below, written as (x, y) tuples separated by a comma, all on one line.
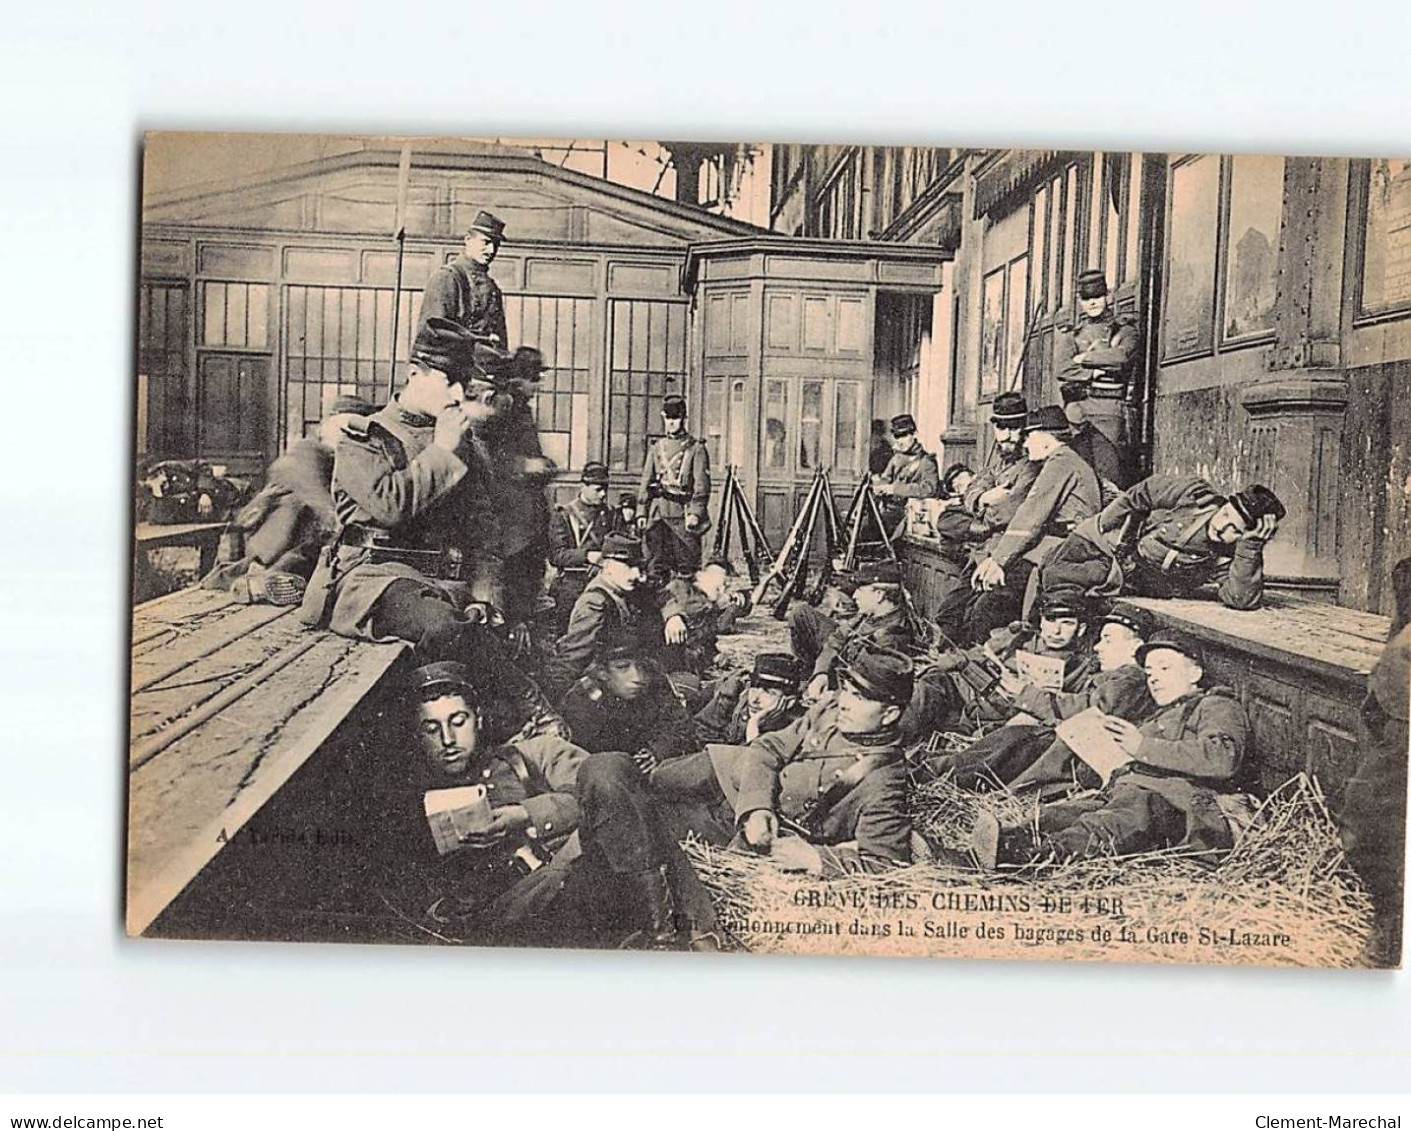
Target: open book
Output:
[(1044, 672), (453, 814), (1085, 735)]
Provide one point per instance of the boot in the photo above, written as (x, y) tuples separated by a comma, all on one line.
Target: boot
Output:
[(992, 845), (660, 930)]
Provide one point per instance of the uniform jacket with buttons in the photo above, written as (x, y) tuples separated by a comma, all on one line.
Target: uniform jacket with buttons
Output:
[(601, 617), (784, 770), (1108, 343), (1065, 492), (1155, 533), (1016, 476), (681, 466), (463, 292), (912, 474), (387, 474), (891, 630), (656, 720), (575, 529)]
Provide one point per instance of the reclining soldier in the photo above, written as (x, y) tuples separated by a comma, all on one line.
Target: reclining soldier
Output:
[(741, 710), (492, 868), (1168, 536), (825, 795), (1025, 753), (816, 638), (415, 523), (695, 611), (626, 703), (1178, 765)]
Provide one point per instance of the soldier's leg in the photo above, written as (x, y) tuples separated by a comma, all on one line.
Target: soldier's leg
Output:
[(687, 551), (1056, 766), (1000, 756), (1000, 606), (952, 614), (1131, 819), (690, 777), (808, 631), (935, 705), (1075, 564)]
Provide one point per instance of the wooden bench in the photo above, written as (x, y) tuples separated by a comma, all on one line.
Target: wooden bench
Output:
[(204, 537), (228, 702), (1299, 666)]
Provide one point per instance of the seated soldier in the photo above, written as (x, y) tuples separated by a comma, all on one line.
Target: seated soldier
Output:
[(826, 795), (492, 867), (695, 611), (612, 608), (881, 620), (740, 711), (1179, 761), (1024, 753), (291, 519), (1167, 537), (910, 474), (625, 702), (576, 533), (625, 515)]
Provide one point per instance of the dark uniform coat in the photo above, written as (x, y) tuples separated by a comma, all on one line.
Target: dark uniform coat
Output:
[(679, 469), (656, 720), (1151, 540), (387, 474), (786, 770), (575, 528), (891, 631), (1190, 752), (1108, 343), (912, 474), (464, 292), (1016, 476), (601, 617), (1065, 492)]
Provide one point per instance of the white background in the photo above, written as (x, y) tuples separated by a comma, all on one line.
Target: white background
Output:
[(83, 1008)]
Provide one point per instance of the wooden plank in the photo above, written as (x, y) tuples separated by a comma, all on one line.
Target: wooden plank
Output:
[(152, 535), (185, 653), (187, 802)]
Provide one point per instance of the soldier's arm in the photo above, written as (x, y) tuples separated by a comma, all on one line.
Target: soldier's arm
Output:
[(644, 483), (495, 319), (563, 554), (391, 496), (1117, 353), (554, 813), (1242, 586), (1123, 694), (1065, 349), (574, 649), (441, 299), (927, 484), (762, 762), (713, 721), (883, 834), (1039, 505), (700, 481), (983, 481), (1213, 751), (674, 732), (999, 515)]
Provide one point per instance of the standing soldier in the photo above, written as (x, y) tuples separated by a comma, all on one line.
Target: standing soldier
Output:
[(911, 473), (463, 292), (675, 495), (1096, 351), (576, 533)]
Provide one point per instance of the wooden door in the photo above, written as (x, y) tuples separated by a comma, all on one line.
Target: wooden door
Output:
[(232, 414)]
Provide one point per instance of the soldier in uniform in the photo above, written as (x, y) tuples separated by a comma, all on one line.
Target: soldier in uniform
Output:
[(504, 870), (1064, 493), (740, 710), (911, 473), (612, 609), (408, 491), (576, 533), (881, 620), (463, 292), (625, 517), (1167, 537), (626, 703), (675, 495), (1096, 351), (1181, 759), (1102, 455), (695, 611), (834, 779)]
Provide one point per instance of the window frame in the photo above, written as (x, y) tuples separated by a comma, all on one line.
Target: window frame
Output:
[(1359, 212)]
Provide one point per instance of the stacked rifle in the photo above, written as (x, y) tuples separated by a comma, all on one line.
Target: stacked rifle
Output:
[(736, 515)]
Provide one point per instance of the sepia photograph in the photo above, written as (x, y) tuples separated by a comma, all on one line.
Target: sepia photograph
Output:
[(840, 550)]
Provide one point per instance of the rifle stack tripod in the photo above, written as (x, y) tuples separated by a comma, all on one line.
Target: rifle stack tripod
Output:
[(847, 540)]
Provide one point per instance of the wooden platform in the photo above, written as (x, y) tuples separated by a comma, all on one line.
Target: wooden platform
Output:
[(228, 702), (203, 536)]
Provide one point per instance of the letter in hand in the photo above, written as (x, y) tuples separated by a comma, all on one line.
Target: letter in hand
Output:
[(452, 427), (1126, 735), (794, 854), (504, 820), (760, 829)]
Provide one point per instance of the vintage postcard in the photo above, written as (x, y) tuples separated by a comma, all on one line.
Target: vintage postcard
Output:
[(843, 550)]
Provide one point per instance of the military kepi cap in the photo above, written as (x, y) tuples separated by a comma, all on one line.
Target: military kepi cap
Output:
[(621, 548), (444, 675), (488, 224), (674, 407), (1065, 601), (1071, 391), (1254, 502), (776, 669), (1092, 284), (595, 473), (1172, 642), (886, 572), (627, 499), (903, 424), (1009, 410), (1050, 419), (453, 350), (355, 405), (878, 673), (1134, 619)]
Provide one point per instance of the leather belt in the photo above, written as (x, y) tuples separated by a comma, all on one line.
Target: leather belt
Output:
[(440, 564)]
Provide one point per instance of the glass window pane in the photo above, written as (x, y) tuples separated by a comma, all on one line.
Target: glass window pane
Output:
[(1252, 244), (1016, 319), (213, 325), (258, 316), (845, 428), (1097, 185), (1134, 196), (810, 424), (776, 428), (736, 426), (1190, 269), (1386, 262)]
